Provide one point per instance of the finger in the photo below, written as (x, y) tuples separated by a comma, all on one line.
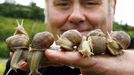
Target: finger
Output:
[(71, 58), (10, 54), (23, 65)]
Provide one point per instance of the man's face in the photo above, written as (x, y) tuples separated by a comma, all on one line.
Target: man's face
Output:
[(83, 15)]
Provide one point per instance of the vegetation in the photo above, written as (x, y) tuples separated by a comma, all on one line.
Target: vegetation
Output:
[(126, 28), (19, 11), (2, 68)]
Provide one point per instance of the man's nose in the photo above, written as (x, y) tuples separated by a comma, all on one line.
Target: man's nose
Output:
[(76, 16)]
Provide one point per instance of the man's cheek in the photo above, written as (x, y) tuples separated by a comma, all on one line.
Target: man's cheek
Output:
[(97, 19), (57, 20)]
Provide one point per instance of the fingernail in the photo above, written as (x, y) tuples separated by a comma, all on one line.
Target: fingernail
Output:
[(23, 64)]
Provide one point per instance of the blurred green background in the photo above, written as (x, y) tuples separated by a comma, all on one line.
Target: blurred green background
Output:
[(33, 23)]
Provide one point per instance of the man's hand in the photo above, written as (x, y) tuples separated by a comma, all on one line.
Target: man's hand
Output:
[(95, 65)]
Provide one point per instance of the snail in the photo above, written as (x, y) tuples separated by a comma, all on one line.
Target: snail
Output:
[(19, 39), (85, 47), (69, 40), (93, 43), (117, 41), (98, 41), (18, 43), (40, 42)]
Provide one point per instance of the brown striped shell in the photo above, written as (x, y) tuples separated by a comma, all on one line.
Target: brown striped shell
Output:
[(42, 40)]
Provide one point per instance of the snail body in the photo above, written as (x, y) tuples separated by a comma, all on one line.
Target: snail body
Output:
[(40, 42), (34, 62), (85, 47), (20, 29)]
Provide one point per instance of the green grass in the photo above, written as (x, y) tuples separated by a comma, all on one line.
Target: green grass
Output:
[(2, 68), (3, 49)]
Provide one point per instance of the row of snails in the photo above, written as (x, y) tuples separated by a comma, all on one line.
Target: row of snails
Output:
[(94, 43)]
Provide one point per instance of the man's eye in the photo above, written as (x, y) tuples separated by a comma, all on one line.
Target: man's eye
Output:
[(90, 4), (63, 4)]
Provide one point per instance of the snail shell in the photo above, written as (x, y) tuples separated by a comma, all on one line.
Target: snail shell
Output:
[(69, 39), (98, 44), (15, 41), (122, 38), (96, 32), (42, 40)]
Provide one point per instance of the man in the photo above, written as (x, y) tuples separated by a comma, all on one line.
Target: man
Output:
[(85, 15)]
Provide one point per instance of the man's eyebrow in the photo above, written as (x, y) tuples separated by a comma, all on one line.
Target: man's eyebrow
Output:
[(94, 0), (60, 0)]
